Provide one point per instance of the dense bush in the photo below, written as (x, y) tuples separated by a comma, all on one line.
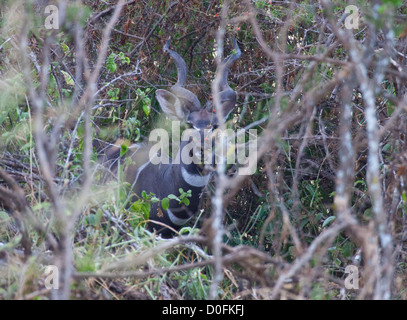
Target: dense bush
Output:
[(329, 106)]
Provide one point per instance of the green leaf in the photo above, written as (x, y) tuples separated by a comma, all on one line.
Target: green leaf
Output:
[(123, 58), (146, 207), (68, 79), (113, 94), (146, 109), (25, 146), (173, 197), (136, 206), (123, 149), (94, 219), (394, 2), (110, 64), (65, 48), (165, 203), (403, 196), (328, 221)]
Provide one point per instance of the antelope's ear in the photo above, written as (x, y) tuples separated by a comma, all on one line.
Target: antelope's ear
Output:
[(170, 104), (228, 100)]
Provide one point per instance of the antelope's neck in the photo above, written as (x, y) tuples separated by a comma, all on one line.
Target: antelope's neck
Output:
[(186, 176), (192, 173)]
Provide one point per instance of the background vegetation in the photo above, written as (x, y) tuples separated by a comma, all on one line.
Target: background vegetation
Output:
[(329, 104)]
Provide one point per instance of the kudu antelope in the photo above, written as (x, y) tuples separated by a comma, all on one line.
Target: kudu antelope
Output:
[(164, 179)]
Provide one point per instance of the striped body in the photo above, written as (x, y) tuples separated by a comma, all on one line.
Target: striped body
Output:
[(163, 180)]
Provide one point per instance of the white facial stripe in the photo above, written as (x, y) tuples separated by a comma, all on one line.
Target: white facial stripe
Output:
[(134, 146), (175, 220), (206, 130), (138, 173), (194, 180)]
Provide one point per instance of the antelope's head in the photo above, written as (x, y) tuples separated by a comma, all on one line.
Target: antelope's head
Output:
[(181, 104)]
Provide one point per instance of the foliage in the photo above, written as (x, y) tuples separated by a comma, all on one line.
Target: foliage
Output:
[(295, 95)]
